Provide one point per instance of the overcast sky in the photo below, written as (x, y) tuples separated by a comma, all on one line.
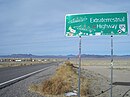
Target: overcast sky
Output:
[(37, 27)]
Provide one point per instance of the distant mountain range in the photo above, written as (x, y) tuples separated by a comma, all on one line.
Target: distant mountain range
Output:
[(29, 56), (58, 56)]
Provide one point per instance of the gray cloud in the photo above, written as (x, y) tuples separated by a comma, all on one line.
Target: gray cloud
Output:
[(41, 22)]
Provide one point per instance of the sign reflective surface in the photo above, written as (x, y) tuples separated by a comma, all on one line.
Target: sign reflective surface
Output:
[(96, 24)]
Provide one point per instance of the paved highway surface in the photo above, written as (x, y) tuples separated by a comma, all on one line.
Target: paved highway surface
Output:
[(10, 73), (20, 88)]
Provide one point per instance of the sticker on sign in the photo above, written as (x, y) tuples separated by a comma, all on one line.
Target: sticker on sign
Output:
[(96, 24)]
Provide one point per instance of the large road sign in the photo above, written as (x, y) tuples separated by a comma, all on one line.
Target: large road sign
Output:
[(96, 24)]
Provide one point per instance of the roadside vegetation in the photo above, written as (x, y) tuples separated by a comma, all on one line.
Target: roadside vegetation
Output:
[(8, 62), (64, 80)]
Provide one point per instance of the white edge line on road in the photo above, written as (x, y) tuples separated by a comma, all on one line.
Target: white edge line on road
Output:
[(23, 76)]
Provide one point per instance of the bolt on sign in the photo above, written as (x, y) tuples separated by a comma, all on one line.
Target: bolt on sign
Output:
[(96, 24)]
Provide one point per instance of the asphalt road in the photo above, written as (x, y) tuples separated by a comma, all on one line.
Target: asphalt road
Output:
[(10, 73)]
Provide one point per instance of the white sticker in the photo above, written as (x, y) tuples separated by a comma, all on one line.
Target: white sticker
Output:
[(98, 33), (122, 27)]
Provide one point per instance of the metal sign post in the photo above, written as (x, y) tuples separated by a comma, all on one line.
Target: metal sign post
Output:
[(77, 25), (111, 65), (79, 70)]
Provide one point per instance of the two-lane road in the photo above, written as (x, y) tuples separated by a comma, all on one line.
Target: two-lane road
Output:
[(9, 73)]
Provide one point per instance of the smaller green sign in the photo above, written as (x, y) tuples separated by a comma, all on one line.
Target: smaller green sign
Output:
[(96, 24)]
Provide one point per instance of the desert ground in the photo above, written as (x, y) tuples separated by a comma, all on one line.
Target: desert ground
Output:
[(98, 71), (102, 67)]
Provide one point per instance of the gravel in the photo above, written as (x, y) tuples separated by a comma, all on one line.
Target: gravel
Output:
[(20, 89), (99, 85)]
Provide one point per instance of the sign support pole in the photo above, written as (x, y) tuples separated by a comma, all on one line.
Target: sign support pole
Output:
[(111, 65), (79, 69)]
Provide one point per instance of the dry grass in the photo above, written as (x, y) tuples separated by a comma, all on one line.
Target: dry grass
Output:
[(64, 80), (22, 63)]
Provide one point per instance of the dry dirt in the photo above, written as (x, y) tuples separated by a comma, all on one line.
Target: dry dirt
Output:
[(121, 79)]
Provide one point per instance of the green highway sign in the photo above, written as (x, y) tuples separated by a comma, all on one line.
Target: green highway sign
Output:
[(96, 24)]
